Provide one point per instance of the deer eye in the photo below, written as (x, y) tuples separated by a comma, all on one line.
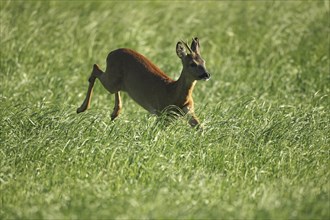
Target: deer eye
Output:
[(193, 64)]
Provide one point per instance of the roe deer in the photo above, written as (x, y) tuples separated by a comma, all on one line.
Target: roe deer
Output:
[(146, 84)]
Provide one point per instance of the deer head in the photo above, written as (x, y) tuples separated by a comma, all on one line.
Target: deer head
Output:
[(193, 63)]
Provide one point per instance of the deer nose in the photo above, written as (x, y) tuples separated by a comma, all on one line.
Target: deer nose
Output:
[(205, 76)]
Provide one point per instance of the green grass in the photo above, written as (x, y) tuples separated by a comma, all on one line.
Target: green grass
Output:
[(264, 150)]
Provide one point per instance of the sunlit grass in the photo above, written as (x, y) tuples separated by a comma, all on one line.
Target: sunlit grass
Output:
[(264, 150)]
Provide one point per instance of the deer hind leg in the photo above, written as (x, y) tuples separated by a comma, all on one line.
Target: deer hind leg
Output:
[(117, 108), (85, 105)]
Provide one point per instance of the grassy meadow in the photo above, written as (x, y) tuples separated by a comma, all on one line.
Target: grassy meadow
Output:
[(264, 150)]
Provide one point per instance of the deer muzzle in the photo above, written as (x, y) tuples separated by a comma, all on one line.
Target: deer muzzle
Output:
[(205, 76)]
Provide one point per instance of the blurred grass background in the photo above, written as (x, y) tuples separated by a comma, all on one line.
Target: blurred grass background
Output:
[(265, 149)]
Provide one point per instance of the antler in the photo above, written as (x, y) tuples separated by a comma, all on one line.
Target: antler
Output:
[(187, 46)]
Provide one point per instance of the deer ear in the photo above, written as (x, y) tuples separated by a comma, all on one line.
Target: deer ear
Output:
[(96, 67), (195, 46), (180, 50)]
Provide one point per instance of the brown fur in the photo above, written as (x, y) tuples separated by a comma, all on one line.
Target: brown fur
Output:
[(149, 86)]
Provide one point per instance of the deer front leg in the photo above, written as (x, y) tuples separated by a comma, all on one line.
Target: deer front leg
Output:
[(117, 108), (85, 105), (193, 121)]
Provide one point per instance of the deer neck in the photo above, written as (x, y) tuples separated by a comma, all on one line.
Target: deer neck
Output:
[(183, 88)]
